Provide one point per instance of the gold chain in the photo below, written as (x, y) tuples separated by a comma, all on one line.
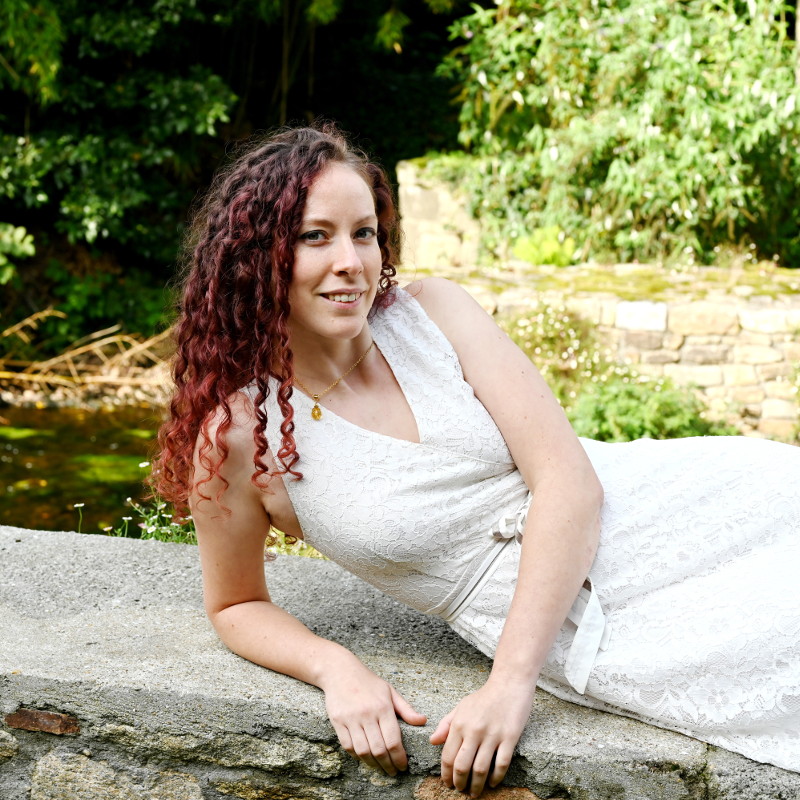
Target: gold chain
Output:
[(316, 411)]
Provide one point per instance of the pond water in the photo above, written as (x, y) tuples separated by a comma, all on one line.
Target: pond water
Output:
[(54, 459)]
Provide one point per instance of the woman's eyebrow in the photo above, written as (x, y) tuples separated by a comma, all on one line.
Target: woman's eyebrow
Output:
[(327, 222)]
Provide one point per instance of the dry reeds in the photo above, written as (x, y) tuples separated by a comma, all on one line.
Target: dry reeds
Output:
[(108, 367)]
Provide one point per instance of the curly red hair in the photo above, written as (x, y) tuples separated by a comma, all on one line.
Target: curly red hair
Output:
[(233, 328)]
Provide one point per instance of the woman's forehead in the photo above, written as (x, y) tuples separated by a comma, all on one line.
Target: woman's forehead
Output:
[(339, 188)]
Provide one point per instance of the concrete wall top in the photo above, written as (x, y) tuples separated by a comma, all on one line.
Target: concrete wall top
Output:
[(111, 634)]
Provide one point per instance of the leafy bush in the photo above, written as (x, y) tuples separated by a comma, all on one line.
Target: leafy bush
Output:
[(15, 242), (604, 399), (645, 129), (627, 408), (546, 246), (564, 348)]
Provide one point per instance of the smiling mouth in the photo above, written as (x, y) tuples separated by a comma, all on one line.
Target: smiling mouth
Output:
[(343, 298)]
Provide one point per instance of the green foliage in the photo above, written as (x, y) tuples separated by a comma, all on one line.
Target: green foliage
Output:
[(31, 36), (154, 520), (98, 300), (546, 246), (646, 129), (628, 408), (603, 399), (564, 348), (15, 242)]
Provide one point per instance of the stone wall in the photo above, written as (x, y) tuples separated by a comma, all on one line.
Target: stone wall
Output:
[(113, 686), (736, 339), (741, 354)]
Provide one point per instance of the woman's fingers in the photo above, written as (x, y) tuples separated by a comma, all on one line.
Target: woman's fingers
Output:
[(439, 736), (405, 710), (363, 750), (502, 761)]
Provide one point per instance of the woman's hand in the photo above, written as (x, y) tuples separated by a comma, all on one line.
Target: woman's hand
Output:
[(363, 710), (480, 734)]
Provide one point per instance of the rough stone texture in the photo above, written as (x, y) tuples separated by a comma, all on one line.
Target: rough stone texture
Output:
[(112, 631), (700, 318), (73, 776), (437, 230), (434, 789), (8, 746), (699, 375)]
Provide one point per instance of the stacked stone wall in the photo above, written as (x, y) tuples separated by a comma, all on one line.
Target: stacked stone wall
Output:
[(738, 344)]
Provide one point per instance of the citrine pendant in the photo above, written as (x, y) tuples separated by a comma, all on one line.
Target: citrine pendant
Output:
[(316, 412)]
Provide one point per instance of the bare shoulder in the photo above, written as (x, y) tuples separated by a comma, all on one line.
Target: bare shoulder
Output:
[(453, 309)]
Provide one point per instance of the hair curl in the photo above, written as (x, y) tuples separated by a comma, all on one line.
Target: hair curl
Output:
[(232, 328)]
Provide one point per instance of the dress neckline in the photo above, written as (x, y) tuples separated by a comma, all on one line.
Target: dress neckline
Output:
[(382, 344)]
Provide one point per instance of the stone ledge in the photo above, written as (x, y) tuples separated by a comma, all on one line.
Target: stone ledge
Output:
[(110, 634)]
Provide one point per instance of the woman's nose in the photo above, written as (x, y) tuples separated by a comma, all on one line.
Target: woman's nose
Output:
[(347, 257)]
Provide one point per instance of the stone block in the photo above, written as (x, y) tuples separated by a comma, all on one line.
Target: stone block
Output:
[(784, 429), (775, 408), (703, 318), (747, 395), (704, 354), (629, 355), (673, 341), (770, 320), (660, 357), (731, 777), (73, 776), (748, 337), (589, 308), (739, 374), (782, 389), (8, 746), (790, 350), (653, 370), (756, 354), (279, 752), (643, 340), (698, 375), (690, 341), (641, 315), (246, 789), (32, 719), (768, 372), (434, 789)]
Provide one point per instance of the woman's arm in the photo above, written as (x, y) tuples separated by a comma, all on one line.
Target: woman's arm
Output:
[(231, 531), (559, 542)]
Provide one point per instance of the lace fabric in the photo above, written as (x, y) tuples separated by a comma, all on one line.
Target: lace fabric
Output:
[(696, 570)]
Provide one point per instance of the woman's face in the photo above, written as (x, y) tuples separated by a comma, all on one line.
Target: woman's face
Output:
[(337, 261)]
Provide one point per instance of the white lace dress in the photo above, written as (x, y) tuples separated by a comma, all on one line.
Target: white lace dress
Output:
[(692, 618)]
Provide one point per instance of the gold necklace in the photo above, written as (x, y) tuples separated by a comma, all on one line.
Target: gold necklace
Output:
[(316, 412)]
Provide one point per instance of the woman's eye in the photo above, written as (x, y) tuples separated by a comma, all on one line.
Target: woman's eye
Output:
[(365, 233), (312, 236)]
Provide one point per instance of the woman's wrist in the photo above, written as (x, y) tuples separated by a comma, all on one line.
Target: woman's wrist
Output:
[(334, 663)]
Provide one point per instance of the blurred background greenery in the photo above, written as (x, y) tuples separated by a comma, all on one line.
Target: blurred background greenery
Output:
[(658, 131)]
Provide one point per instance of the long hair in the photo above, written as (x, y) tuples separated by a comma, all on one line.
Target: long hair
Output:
[(232, 328)]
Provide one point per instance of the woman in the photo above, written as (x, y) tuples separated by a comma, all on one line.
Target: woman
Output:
[(402, 434)]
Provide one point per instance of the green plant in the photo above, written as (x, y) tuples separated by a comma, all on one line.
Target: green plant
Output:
[(564, 347), (15, 242), (156, 520), (546, 246), (646, 129), (630, 407), (604, 399)]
